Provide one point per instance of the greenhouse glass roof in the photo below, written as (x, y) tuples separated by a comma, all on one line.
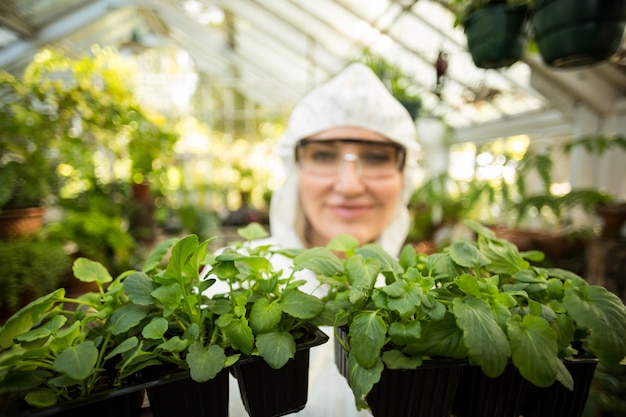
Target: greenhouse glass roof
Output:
[(274, 51)]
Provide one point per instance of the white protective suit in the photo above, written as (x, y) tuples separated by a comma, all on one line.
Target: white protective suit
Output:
[(355, 97)]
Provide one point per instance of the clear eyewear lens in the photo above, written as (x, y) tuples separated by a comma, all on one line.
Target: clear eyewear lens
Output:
[(325, 158)]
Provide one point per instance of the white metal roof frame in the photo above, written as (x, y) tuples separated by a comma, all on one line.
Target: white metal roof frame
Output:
[(276, 50)]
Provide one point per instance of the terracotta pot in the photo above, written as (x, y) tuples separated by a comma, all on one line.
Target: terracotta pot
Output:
[(21, 222), (613, 218)]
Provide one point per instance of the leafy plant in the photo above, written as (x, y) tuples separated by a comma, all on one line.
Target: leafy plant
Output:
[(30, 269), (478, 301), (50, 352), (268, 312), (156, 320), (463, 8), (58, 348), (400, 84), (28, 116)]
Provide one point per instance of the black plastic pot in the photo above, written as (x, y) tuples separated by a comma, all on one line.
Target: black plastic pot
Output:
[(268, 392), (180, 396), (122, 402), (558, 401), (574, 33), (481, 396), (496, 35), (427, 391)]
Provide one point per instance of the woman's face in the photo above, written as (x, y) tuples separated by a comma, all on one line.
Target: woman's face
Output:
[(348, 186)]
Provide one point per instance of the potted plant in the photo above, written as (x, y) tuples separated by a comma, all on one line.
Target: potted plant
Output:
[(496, 30), (270, 320), (62, 354), (571, 33), (31, 268), (28, 134), (51, 354), (478, 303), (156, 329)]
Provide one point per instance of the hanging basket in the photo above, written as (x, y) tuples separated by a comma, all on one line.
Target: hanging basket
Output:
[(21, 222), (496, 35), (574, 33)]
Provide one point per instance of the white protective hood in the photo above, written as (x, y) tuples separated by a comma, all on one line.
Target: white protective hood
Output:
[(356, 97)]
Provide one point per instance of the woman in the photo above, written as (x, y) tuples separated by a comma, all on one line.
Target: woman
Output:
[(339, 189), (349, 154)]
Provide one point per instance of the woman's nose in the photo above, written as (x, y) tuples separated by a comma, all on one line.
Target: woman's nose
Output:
[(349, 177)]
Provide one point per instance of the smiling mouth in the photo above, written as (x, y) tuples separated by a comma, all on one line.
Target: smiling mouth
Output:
[(350, 212)]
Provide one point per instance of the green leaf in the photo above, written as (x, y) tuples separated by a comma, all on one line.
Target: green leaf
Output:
[(300, 305), (174, 344), (155, 256), (125, 317), (343, 243), (504, 256), (205, 363), (155, 329), (389, 266), (256, 263), (367, 337), (479, 229), (404, 334), (485, 340), (138, 286), (409, 300), (22, 380), (408, 257), (128, 344), (78, 361), (22, 321), (604, 315), (46, 330), (363, 379), (240, 334), (363, 274), (169, 295), (395, 359), (534, 349), (65, 337), (252, 231), (182, 252), (319, 260), (467, 255), (276, 347), (41, 397), (441, 338), (87, 270), (265, 315)]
